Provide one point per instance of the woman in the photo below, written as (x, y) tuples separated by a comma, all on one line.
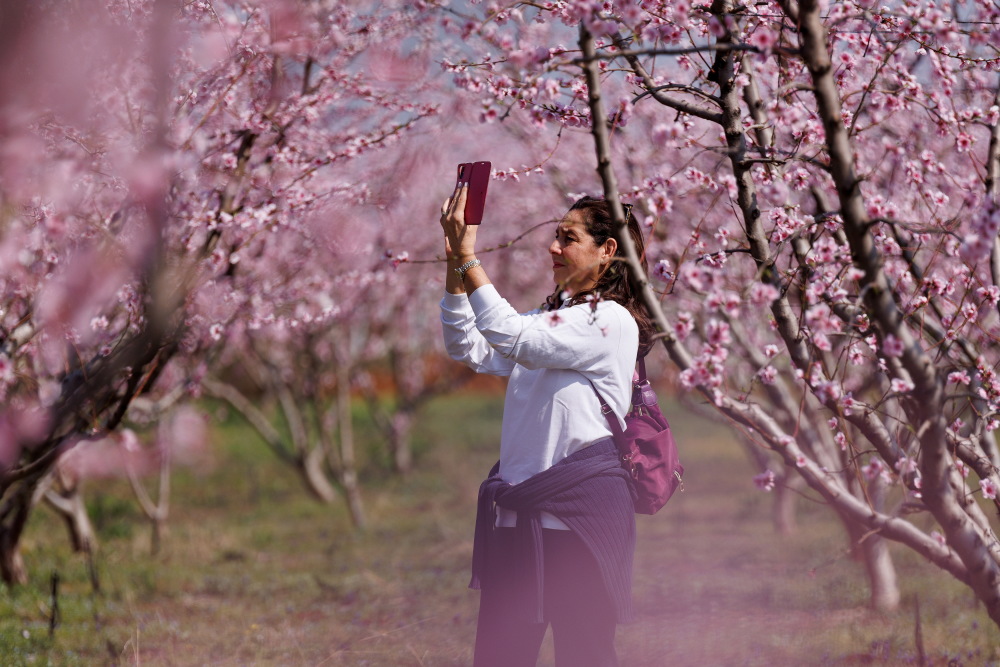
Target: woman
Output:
[(555, 530)]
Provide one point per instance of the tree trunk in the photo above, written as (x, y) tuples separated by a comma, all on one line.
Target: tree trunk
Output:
[(12, 568), (881, 573), (16, 509), (314, 474), (68, 502), (348, 470), (399, 440), (783, 512), (71, 507), (158, 535), (307, 461), (873, 549)]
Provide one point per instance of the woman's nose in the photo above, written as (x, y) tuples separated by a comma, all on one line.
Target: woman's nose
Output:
[(554, 248)]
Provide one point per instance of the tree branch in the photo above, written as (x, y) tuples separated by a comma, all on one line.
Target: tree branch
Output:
[(251, 413), (680, 51), (925, 411), (674, 103)]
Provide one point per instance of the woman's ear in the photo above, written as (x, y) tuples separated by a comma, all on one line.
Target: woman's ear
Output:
[(608, 249)]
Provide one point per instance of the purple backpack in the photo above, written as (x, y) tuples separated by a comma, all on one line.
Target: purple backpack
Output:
[(647, 446)]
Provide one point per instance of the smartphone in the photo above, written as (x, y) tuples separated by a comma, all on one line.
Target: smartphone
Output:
[(477, 175)]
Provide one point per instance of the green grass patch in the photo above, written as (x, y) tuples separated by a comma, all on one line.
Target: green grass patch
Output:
[(253, 571)]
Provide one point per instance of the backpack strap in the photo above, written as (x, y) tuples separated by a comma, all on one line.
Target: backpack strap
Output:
[(609, 414)]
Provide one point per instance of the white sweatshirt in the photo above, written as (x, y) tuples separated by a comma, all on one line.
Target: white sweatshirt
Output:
[(550, 410)]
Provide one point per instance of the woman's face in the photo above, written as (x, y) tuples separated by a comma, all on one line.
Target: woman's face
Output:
[(577, 261)]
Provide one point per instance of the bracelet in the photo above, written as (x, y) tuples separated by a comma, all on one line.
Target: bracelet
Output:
[(462, 270)]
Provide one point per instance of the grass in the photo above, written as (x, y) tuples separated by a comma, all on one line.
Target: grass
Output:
[(255, 572)]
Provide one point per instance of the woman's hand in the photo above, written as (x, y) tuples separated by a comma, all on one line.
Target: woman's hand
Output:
[(460, 239)]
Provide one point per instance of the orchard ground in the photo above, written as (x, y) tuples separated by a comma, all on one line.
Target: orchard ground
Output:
[(254, 572)]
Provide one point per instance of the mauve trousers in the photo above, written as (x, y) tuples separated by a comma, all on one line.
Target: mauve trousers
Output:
[(576, 604)]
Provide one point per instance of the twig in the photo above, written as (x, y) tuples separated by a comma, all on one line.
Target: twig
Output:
[(703, 48), (501, 246)]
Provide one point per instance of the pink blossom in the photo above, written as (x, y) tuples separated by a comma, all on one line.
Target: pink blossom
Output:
[(399, 259), (684, 325), (822, 320), (990, 294), (730, 302), (963, 142), (763, 39), (621, 115), (983, 227), (970, 311), (939, 538), (525, 58), (715, 260), (696, 278), (707, 369), (827, 391), (765, 480), (917, 303), (763, 294), (892, 346), (718, 333), (939, 198), (799, 179), (989, 488), (715, 27), (874, 469), (659, 136), (631, 13), (768, 374), (602, 28), (958, 377), (901, 385), (663, 133), (854, 273), (661, 270)]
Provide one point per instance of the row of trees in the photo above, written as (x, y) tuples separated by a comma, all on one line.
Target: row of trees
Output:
[(196, 192), (193, 192), (822, 184)]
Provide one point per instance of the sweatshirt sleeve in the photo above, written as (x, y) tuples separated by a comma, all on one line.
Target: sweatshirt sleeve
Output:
[(464, 342), (582, 338)]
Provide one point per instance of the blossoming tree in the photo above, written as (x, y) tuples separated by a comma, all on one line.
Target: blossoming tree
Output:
[(165, 170), (821, 182)]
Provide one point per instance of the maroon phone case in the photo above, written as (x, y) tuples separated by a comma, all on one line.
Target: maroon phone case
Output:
[(477, 175)]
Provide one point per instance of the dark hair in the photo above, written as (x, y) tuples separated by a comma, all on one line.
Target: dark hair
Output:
[(613, 283)]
